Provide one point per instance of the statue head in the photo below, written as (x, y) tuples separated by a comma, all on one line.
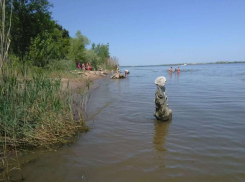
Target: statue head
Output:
[(160, 81)]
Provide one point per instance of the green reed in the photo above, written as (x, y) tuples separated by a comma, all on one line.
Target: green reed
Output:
[(34, 111)]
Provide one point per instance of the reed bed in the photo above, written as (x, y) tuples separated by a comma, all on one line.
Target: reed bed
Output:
[(34, 112)]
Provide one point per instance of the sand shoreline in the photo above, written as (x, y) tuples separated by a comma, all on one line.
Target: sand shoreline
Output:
[(76, 84)]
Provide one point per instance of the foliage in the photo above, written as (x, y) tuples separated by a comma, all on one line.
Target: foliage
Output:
[(48, 46), (30, 18), (102, 51), (111, 63), (77, 47), (35, 37), (60, 65), (93, 58), (62, 39), (42, 50)]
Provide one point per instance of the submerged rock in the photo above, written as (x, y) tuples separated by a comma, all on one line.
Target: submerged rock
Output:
[(117, 76), (162, 112), (103, 73)]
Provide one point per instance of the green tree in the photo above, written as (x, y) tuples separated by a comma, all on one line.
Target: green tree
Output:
[(102, 51), (93, 58), (30, 19), (62, 39), (77, 49), (47, 47)]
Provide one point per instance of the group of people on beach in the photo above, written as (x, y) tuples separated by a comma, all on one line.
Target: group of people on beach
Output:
[(172, 70), (84, 67)]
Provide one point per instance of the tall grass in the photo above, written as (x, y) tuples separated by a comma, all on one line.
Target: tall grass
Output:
[(61, 65), (34, 111), (111, 63)]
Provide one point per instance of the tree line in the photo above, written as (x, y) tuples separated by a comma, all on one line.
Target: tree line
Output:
[(39, 40)]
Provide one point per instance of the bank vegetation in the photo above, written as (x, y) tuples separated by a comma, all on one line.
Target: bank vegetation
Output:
[(35, 53)]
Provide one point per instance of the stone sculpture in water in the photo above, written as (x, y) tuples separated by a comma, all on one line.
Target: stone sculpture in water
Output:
[(162, 112)]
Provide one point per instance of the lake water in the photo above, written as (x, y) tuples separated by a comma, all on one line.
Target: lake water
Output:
[(205, 141)]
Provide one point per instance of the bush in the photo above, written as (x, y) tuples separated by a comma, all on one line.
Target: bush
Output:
[(61, 65)]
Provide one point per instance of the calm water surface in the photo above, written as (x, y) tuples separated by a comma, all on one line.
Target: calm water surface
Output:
[(205, 141)]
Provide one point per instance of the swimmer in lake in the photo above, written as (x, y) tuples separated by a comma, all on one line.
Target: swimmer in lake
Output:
[(178, 69), (126, 73), (170, 69)]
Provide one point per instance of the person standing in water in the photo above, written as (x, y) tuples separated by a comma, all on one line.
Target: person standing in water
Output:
[(126, 73), (178, 69), (170, 69)]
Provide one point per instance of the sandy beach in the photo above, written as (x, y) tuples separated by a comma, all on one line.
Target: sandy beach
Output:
[(76, 84)]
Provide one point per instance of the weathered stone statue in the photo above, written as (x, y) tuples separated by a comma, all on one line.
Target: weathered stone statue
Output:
[(162, 112)]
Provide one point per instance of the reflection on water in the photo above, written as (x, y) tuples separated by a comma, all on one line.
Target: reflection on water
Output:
[(161, 131), (170, 74), (203, 142)]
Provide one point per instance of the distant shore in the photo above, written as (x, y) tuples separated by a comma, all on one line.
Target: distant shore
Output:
[(180, 64)]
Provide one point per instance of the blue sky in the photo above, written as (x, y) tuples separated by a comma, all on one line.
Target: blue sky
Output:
[(148, 32)]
